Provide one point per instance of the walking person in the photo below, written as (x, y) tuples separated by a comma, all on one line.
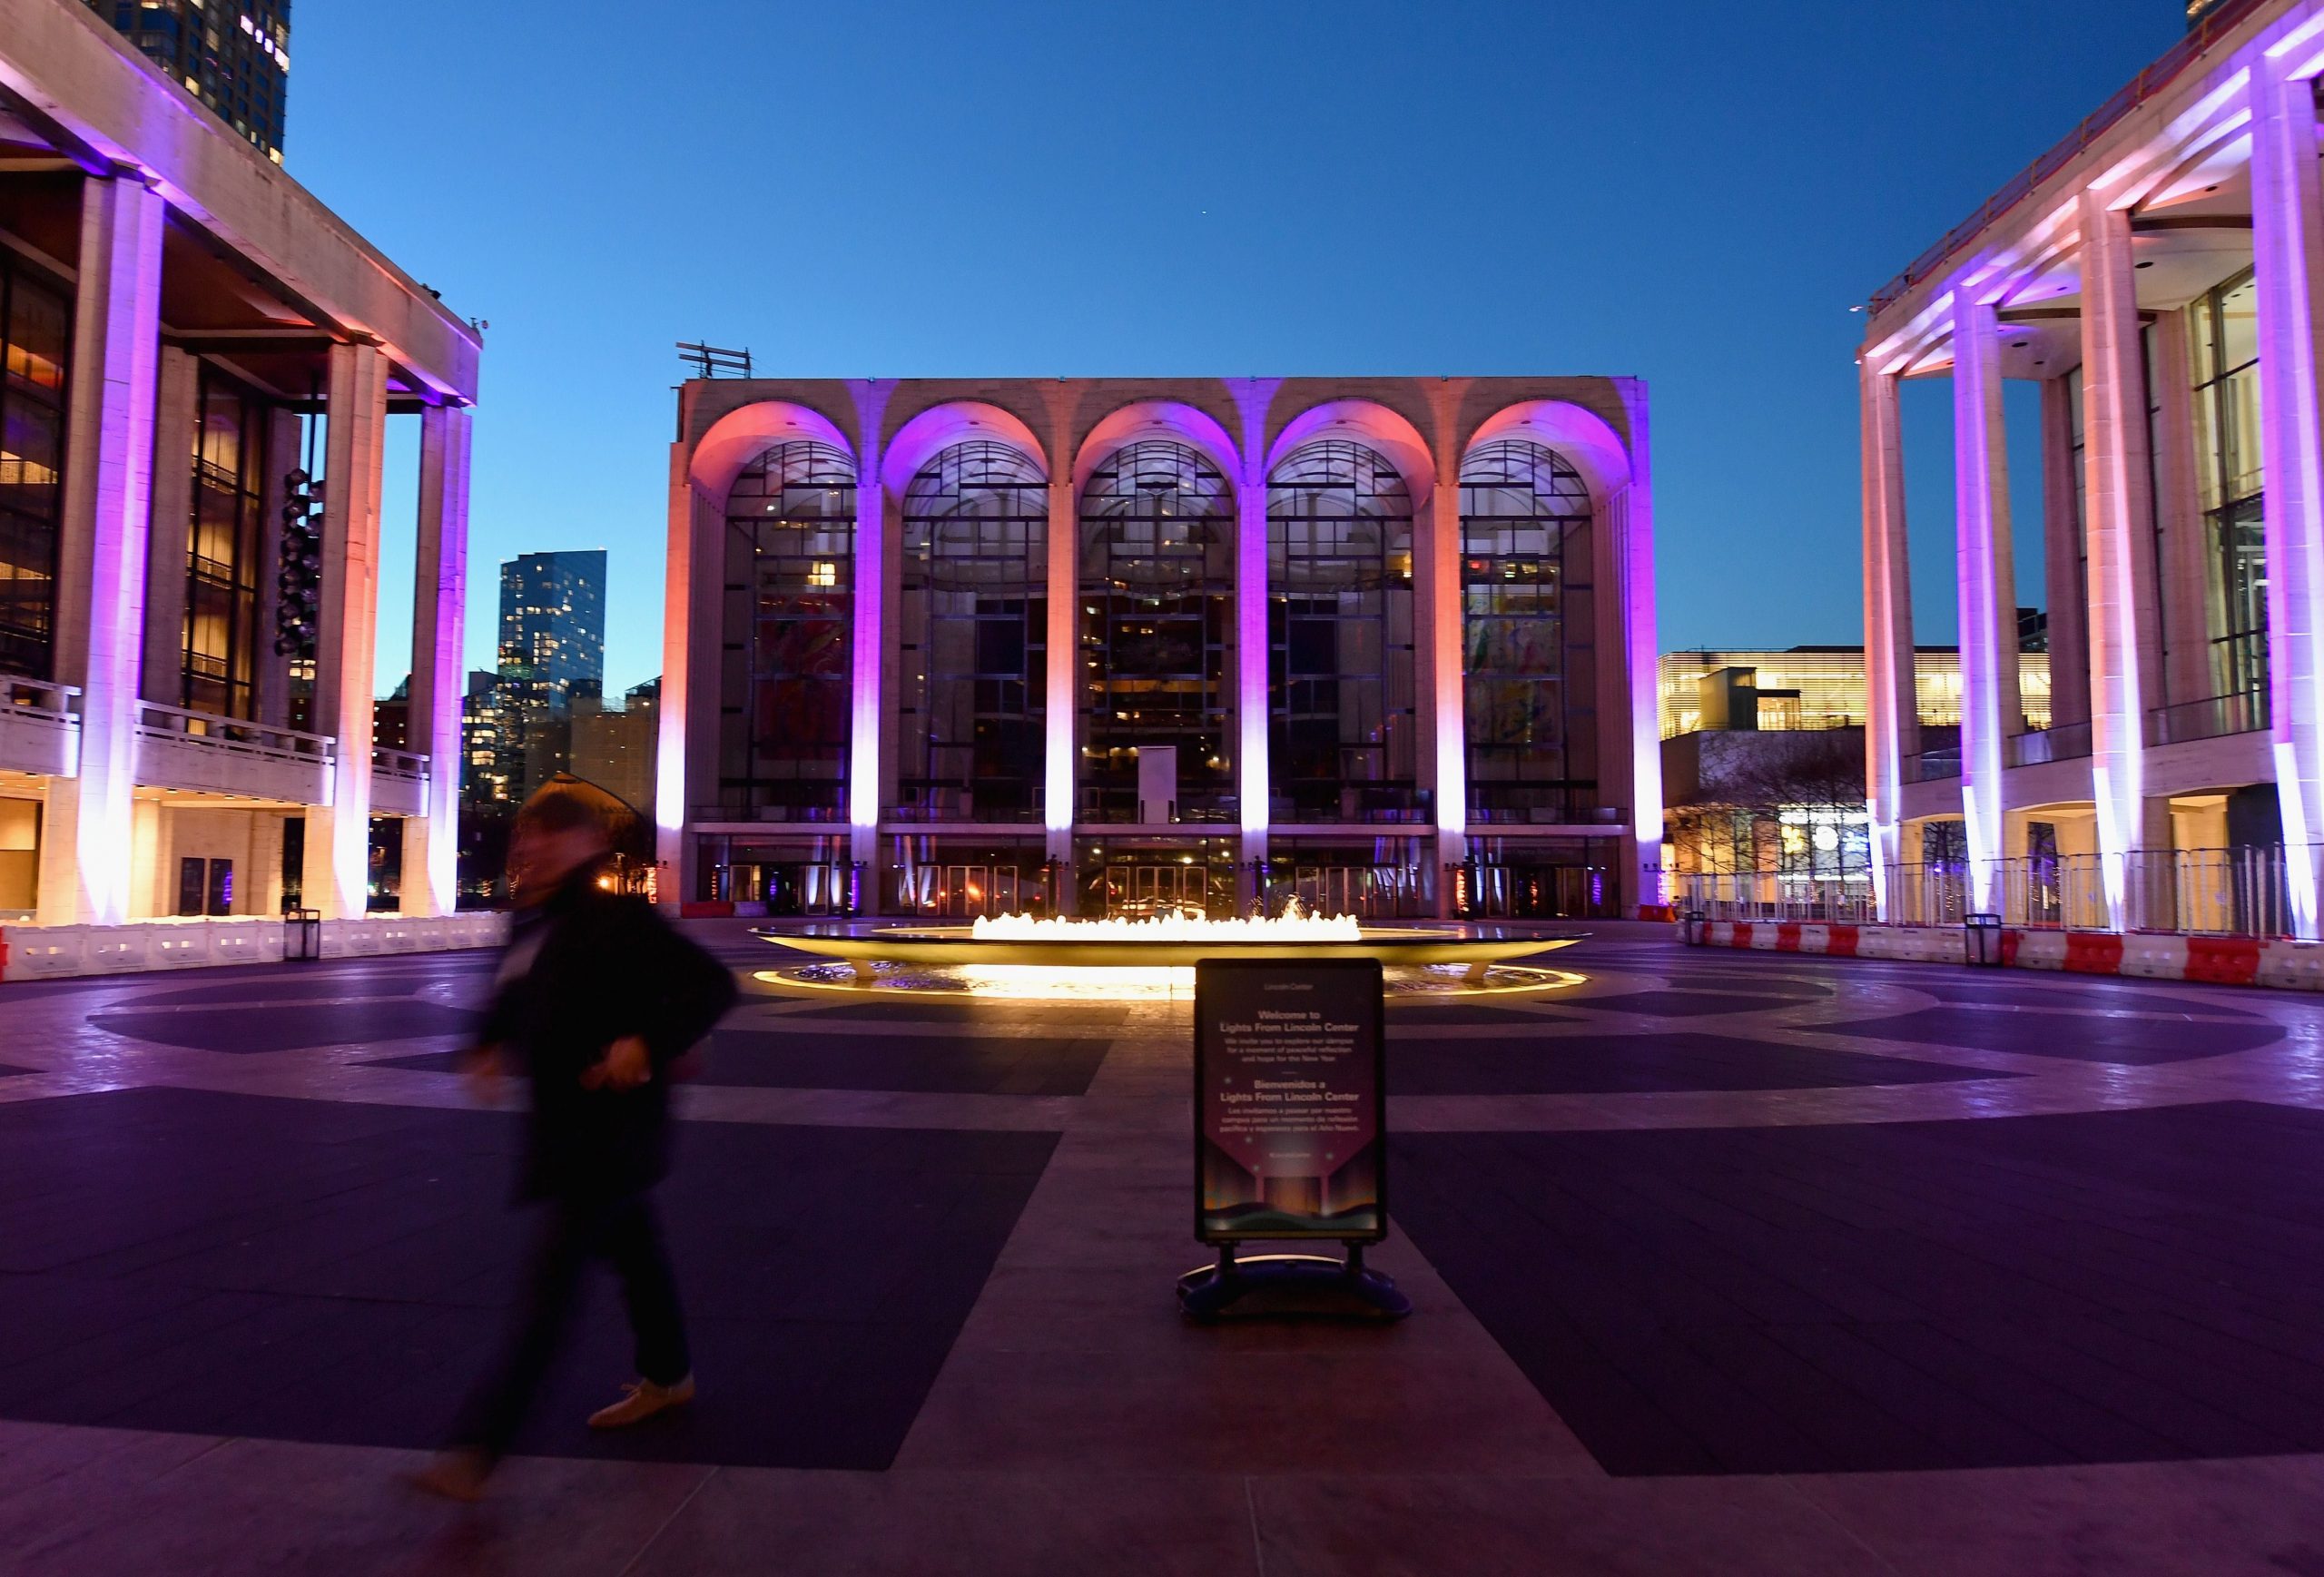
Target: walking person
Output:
[(596, 998)]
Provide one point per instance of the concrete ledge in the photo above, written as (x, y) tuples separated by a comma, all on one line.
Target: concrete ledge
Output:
[(2224, 961), (48, 952)]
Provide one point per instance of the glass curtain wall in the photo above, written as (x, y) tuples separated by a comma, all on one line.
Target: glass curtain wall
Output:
[(784, 693), (35, 333), (1340, 710), (1156, 588), (223, 549), (2225, 342), (973, 623), (1529, 633)]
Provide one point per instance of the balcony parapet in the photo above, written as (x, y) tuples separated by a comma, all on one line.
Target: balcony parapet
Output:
[(399, 781), (40, 727), (181, 749)]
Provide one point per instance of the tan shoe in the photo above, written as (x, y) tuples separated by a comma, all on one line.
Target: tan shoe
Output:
[(456, 1475), (641, 1399)]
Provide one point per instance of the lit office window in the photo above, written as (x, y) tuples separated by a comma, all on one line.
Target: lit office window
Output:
[(36, 331)]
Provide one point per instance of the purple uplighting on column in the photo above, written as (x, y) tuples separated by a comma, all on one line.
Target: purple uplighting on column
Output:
[(439, 620), (1634, 515), (1891, 704), (2286, 214), (117, 365), (1981, 501), (1252, 767)]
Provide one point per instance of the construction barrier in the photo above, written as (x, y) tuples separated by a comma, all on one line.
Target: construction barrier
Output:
[(49, 952), (2225, 960)]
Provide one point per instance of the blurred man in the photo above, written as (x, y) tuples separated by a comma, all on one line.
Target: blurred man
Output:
[(596, 998)]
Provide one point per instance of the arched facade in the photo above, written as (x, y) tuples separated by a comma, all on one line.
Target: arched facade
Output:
[(1135, 643)]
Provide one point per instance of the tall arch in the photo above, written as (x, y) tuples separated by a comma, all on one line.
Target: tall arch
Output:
[(1527, 616), (972, 630), (737, 441), (1156, 586), (788, 562), (1340, 653)]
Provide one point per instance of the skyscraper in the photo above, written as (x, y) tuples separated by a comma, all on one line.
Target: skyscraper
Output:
[(552, 650), (236, 59), (553, 626)]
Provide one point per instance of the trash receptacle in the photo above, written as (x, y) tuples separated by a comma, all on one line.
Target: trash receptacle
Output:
[(303, 935), (1693, 927), (1984, 950)]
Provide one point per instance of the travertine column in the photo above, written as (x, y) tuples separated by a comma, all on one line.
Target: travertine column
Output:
[(2119, 533), (336, 875), (1061, 715), (1441, 616), (1892, 706), (174, 430), (86, 835), (685, 763), (2287, 256), (868, 651), (431, 840), (1253, 769), (2061, 555), (1635, 735), (1990, 710)]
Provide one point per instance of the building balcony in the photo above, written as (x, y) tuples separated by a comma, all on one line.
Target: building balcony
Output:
[(2064, 742), (203, 752), (1932, 765), (39, 730), (398, 783), (2213, 718)]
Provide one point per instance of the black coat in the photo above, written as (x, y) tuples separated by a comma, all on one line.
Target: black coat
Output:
[(600, 967)]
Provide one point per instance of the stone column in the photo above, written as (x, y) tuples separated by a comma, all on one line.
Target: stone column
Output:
[(1891, 701), (1445, 639), (336, 875), (2061, 558), (1060, 712), (868, 653), (1633, 735), (1990, 711), (85, 838), (693, 603), (431, 841), (1253, 766), (175, 430), (2119, 534), (2288, 257)]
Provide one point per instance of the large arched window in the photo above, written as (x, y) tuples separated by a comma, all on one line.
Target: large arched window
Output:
[(789, 590), (1527, 633), (1158, 611), (1340, 638), (972, 628)]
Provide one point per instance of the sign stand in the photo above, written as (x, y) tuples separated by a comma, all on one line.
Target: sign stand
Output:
[(1290, 1137)]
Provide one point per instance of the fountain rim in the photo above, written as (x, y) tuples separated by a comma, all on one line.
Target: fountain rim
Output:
[(1408, 947)]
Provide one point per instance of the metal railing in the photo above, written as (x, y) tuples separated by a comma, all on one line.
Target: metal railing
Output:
[(235, 734), (2060, 742), (400, 763), (1931, 766), (2097, 124), (2213, 718), (2195, 892)]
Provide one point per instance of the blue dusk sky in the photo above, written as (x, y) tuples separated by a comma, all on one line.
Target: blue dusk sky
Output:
[(1695, 193)]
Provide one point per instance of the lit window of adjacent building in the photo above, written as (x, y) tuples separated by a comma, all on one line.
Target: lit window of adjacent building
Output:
[(2225, 342)]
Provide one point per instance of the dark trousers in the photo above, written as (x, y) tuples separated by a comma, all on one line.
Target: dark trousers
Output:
[(623, 1231)]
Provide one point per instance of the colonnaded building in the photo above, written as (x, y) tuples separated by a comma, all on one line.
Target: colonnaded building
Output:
[(186, 644), (2158, 277), (1103, 645)]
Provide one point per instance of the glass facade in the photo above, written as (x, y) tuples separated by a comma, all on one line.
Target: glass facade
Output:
[(789, 593), (1157, 590), (223, 549), (973, 623), (1340, 709), (2224, 340), (36, 332), (1529, 633)]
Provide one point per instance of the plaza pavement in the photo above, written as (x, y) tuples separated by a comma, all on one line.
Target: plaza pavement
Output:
[(1721, 1263)]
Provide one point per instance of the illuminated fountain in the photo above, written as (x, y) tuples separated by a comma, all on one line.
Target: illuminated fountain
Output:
[(1025, 958)]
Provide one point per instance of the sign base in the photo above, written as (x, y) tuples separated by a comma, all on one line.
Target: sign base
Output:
[(1290, 1286)]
